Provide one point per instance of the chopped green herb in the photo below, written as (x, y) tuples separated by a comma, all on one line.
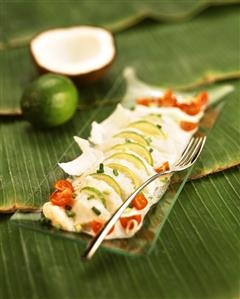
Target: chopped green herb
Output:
[(100, 171), (101, 168), (70, 213), (44, 221), (150, 150), (57, 226), (159, 126), (132, 108), (115, 172), (96, 211), (90, 197), (127, 140), (78, 227)]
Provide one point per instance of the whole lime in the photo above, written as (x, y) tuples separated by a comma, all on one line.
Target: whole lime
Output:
[(49, 101)]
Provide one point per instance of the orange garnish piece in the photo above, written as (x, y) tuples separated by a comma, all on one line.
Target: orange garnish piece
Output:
[(124, 220), (139, 202), (188, 126), (165, 166)]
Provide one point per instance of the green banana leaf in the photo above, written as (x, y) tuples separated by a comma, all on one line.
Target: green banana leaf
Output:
[(28, 155), (222, 147), (116, 16), (182, 55), (195, 257), (146, 238)]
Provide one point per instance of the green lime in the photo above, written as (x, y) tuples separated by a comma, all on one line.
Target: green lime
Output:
[(49, 101)]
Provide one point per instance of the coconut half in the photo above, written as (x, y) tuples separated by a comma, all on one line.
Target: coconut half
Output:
[(82, 52)]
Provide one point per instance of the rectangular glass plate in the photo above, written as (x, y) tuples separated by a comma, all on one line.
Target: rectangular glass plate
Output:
[(141, 243), (145, 239)]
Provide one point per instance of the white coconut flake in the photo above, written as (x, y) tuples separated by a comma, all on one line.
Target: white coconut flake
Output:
[(89, 158), (101, 132)]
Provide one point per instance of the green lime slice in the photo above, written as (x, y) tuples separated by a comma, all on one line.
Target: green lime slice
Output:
[(94, 193), (138, 163), (153, 117), (148, 128), (109, 180), (140, 149), (126, 171), (133, 136)]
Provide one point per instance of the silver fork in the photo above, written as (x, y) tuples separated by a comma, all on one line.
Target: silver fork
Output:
[(189, 156)]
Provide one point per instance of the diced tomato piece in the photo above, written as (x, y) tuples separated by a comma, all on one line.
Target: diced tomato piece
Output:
[(191, 109), (202, 98), (124, 220), (139, 202), (144, 101), (63, 184), (168, 100), (188, 126), (165, 166), (61, 198), (97, 226), (111, 230)]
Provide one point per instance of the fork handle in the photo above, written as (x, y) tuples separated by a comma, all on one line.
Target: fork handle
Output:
[(98, 239)]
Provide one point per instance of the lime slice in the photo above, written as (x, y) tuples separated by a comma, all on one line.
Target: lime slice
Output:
[(94, 193), (153, 117), (138, 163), (109, 180), (140, 149), (147, 127), (133, 136), (49, 101), (126, 171)]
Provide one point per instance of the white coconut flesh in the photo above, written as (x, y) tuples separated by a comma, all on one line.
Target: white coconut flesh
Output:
[(73, 51)]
